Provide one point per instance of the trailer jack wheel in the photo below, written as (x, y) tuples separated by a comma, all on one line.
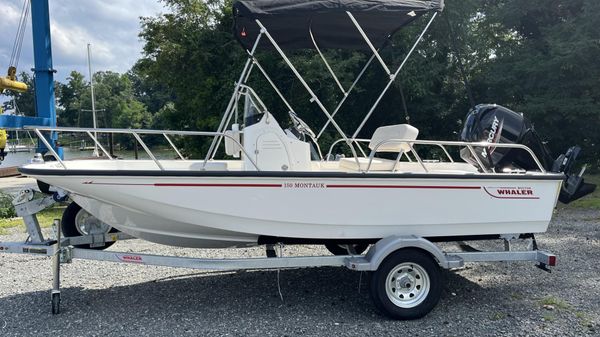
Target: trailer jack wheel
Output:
[(407, 284)]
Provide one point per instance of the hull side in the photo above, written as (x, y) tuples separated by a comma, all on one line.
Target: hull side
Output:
[(194, 211), (160, 230)]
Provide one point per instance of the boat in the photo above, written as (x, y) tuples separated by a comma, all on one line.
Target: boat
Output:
[(275, 185), (19, 145), (14, 148)]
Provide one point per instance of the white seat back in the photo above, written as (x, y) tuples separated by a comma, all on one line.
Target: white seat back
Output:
[(232, 147), (398, 131)]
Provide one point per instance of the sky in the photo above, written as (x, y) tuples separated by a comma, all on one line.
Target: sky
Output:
[(111, 26)]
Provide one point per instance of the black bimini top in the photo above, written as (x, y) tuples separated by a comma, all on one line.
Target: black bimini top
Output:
[(290, 22)]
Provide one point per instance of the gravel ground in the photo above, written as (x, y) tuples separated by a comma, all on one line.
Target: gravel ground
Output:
[(107, 299)]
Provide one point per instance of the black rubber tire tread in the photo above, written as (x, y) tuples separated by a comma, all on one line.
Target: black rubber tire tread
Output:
[(68, 228), (335, 249), (378, 279), (45, 188)]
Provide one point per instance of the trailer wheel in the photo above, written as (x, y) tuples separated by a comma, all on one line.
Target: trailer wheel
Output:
[(407, 284), (45, 188), (78, 222), (343, 249)]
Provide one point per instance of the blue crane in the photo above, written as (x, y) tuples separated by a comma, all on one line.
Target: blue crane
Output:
[(45, 101)]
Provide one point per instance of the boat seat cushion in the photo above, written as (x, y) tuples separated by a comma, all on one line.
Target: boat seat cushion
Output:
[(378, 164), (398, 131)]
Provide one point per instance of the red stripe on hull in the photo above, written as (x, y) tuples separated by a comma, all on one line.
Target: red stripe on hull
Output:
[(409, 187), (280, 185), (215, 185)]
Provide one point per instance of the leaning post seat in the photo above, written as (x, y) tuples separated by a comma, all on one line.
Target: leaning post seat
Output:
[(398, 131), (382, 134)]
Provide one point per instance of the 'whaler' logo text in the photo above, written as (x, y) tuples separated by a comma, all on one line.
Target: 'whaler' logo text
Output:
[(511, 192)]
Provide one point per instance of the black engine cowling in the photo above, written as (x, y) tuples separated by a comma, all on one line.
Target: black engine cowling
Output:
[(496, 124)]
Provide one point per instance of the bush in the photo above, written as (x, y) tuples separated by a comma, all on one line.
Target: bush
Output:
[(7, 210)]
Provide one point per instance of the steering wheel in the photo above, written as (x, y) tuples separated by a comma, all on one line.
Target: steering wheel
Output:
[(301, 126)]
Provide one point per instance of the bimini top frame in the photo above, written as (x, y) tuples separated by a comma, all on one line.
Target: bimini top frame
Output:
[(355, 25)]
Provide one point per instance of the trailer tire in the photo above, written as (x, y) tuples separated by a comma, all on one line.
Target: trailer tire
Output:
[(71, 221), (45, 188), (339, 250), (407, 285)]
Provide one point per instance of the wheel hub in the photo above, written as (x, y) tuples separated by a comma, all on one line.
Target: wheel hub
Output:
[(407, 285), (406, 281), (87, 224)]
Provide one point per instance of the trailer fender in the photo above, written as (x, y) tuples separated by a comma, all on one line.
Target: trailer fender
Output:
[(384, 247)]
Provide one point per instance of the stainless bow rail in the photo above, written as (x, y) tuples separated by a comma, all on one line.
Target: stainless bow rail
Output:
[(136, 134)]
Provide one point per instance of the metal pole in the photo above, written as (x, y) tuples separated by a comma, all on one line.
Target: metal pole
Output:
[(55, 294), (347, 94), (326, 63), (173, 146), (393, 76), (243, 77), (89, 52), (49, 147), (262, 70), (368, 41), (45, 105), (97, 143), (139, 139), (307, 87)]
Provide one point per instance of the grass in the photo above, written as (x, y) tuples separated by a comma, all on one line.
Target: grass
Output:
[(45, 217), (591, 201), (555, 302), (584, 319), (516, 296), (498, 316)]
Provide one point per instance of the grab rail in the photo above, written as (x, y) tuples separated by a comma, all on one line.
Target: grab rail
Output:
[(442, 144), (364, 140), (136, 134)]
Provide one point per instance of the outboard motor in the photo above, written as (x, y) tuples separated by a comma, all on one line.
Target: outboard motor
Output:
[(498, 125)]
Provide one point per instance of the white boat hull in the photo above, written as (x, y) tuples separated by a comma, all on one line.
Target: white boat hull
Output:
[(203, 211)]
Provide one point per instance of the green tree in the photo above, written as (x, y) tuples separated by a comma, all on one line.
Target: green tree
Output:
[(189, 65), (551, 70), (538, 57), (25, 101), (69, 99), (116, 104)]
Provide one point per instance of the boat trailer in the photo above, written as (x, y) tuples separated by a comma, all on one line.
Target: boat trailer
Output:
[(61, 250)]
